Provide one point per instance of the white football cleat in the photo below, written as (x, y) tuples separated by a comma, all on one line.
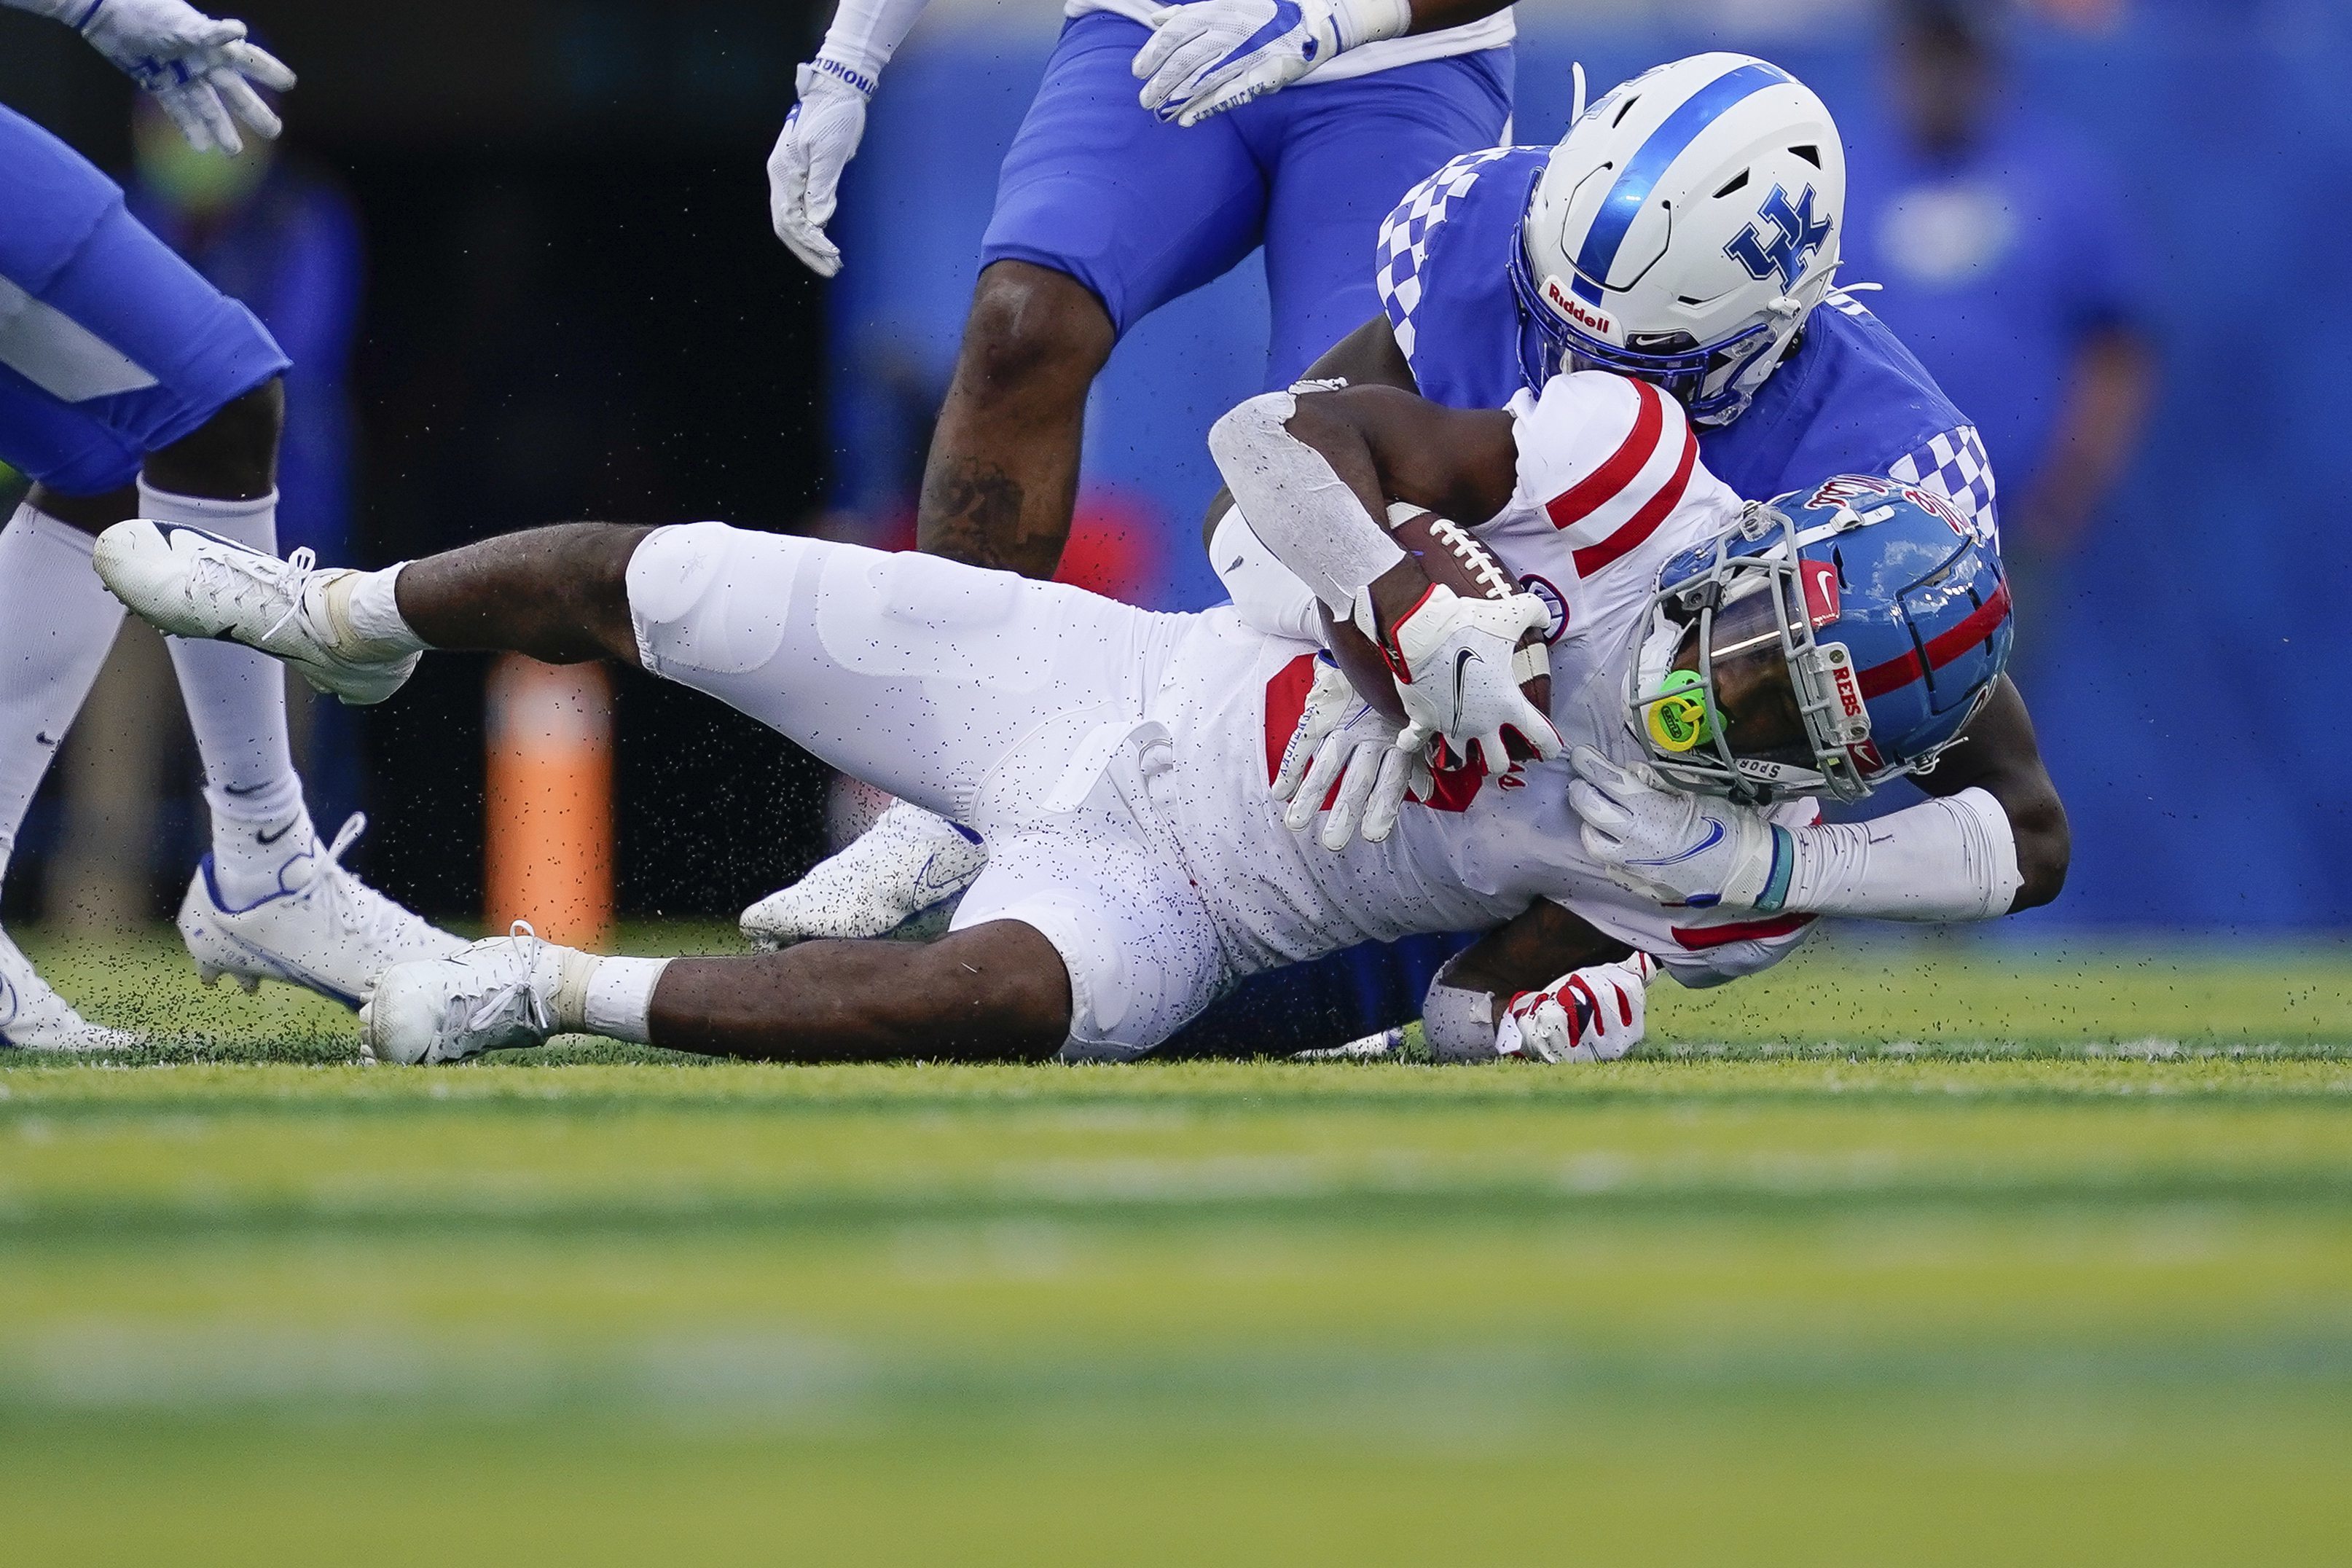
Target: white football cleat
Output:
[(334, 934), (909, 862), (35, 1018), (497, 994), (192, 584)]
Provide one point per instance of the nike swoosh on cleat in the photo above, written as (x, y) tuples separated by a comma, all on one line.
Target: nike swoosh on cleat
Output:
[(269, 839), (42, 738), (249, 789)]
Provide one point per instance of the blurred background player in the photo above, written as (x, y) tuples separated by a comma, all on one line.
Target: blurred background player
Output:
[(1116, 198), (2014, 270), (129, 386)]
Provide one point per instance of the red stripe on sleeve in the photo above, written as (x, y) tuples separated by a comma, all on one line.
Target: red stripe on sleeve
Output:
[(1286, 700), (1904, 668), (1603, 484), (1698, 938), (1644, 523)]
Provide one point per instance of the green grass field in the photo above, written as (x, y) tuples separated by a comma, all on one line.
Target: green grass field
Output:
[(1919, 1254)]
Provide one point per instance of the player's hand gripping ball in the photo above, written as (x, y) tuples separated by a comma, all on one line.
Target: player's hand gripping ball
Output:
[(1456, 560)]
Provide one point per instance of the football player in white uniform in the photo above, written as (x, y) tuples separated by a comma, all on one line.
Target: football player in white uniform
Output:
[(1707, 675)]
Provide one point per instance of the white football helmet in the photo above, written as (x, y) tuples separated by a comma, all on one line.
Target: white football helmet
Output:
[(1683, 231)]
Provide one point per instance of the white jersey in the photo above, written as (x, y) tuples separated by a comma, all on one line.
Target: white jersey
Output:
[(1609, 488), (1117, 762)]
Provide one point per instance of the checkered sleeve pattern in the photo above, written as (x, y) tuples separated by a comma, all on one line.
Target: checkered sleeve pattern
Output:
[(1404, 239), (1955, 466)]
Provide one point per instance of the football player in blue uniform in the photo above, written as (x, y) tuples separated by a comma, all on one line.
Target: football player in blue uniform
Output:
[(1116, 198), (129, 386), (1687, 232)]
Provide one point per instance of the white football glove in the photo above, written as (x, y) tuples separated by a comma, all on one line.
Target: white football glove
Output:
[(821, 135), (1341, 740), (1214, 55), (1458, 668), (197, 66), (1677, 848), (1591, 1014)]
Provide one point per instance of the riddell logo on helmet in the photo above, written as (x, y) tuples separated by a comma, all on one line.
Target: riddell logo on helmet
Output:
[(1561, 299)]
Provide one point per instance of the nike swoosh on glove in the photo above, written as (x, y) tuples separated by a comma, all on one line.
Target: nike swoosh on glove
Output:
[(820, 137), (1677, 848), (1215, 54), (1459, 671), (1592, 1014), (1344, 751), (200, 68)]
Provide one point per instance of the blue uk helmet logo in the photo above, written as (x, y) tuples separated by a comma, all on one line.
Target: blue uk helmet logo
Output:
[(1797, 234)]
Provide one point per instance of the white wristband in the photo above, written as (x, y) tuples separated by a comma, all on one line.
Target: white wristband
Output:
[(1948, 860), (1362, 22), (1297, 504), (864, 35)]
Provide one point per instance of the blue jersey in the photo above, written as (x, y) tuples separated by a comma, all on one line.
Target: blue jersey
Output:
[(111, 346), (1850, 400)]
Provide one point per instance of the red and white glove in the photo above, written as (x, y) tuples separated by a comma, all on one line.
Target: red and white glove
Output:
[(1343, 762), (1592, 1014), (1458, 670)]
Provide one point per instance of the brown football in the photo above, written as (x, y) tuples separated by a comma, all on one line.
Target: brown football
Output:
[(1453, 556)]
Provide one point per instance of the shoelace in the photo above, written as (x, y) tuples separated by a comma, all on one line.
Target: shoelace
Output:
[(500, 1003), (358, 908), (248, 578)]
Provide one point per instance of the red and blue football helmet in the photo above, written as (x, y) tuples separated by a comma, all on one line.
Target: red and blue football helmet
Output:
[(1883, 611)]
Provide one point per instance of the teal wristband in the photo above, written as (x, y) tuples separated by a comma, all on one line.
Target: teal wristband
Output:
[(1784, 866)]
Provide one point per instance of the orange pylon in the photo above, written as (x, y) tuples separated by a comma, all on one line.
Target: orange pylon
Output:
[(549, 841)]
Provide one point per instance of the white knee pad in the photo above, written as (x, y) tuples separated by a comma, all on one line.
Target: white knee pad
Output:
[(705, 597)]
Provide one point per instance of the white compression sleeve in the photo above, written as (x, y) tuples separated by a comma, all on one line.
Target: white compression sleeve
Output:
[(1268, 595), (1459, 1024), (1948, 860), (864, 35), (1297, 504)]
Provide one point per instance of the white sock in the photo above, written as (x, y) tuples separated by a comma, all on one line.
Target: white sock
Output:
[(609, 996), (253, 860), (56, 623), (235, 697), (372, 612)]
